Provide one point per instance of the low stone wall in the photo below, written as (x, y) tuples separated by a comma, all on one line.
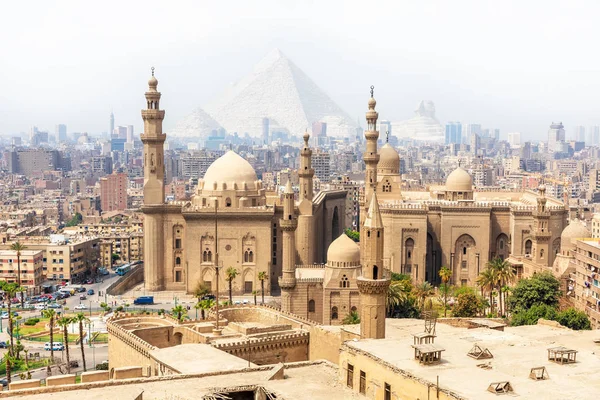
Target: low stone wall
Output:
[(60, 380), (127, 282), (127, 372), (464, 322), (94, 376), (27, 384)]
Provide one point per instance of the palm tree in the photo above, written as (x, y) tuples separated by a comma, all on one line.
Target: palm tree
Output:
[(230, 275), (506, 275), (351, 319), (8, 360), (51, 315), (18, 247), (180, 311), (81, 319), (254, 293), (398, 292), (204, 305), (64, 322), (262, 277), (10, 291), (445, 275), (422, 291), (487, 280), (201, 291)]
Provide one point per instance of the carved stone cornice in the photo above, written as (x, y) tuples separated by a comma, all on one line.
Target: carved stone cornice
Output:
[(372, 286), (287, 283)]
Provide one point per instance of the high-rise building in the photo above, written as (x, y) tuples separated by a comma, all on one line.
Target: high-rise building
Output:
[(265, 130), (120, 132), (320, 162), (453, 132), (319, 130), (556, 135), (475, 143), (111, 129), (385, 127), (593, 135), (61, 133), (113, 192), (469, 130), (129, 133), (496, 134), (579, 133), (31, 161), (102, 164), (526, 151), (514, 139)]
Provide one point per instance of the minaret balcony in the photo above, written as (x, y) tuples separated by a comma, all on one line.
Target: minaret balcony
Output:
[(287, 283), (153, 114), (159, 138), (288, 224)]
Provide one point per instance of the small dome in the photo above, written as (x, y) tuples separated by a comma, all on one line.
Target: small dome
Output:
[(343, 249), (231, 168), (389, 159), (575, 230), (372, 103), (459, 181), (153, 82)]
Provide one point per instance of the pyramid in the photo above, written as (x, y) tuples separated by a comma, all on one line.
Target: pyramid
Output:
[(279, 90), (197, 124)]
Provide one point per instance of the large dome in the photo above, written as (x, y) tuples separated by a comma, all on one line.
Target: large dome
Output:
[(230, 169), (575, 230), (343, 250), (389, 160), (459, 181)]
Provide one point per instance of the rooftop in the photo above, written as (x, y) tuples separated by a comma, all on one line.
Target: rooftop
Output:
[(192, 359), (516, 350)]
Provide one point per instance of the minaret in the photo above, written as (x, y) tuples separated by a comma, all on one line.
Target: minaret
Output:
[(154, 190), (371, 156), (374, 282), (541, 230), (306, 172), (288, 225)]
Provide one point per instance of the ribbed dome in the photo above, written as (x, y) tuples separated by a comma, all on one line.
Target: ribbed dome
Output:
[(230, 169), (459, 181), (575, 230), (389, 160), (344, 250)]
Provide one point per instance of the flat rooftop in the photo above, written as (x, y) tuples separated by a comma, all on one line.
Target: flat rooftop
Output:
[(192, 359), (515, 351), (315, 381)]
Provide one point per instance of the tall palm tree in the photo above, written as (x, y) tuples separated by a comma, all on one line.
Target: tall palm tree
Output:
[(10, 291), (51, 315), (204, 305), (445, 275), (230, 275), (8, 360), (422, 291), (64, 323), (180, 311), (398, 292), (506, 275), (18, 247), (351, 319), (262, 277), (81, 319), (487, 280), (255, 293)]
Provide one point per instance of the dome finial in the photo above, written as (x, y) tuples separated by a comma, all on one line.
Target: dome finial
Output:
[(152, 71), (372, 90), (387, 136)]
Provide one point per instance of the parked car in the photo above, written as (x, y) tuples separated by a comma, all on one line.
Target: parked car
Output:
[(144, 300), (80, 306), (5, 315), (89, 282), (209, 297), (90, 292), (81, 289), (56, 346), (74, 364), (82, 297), (41, 306), (54, 305), (3, 345), (4, 382)]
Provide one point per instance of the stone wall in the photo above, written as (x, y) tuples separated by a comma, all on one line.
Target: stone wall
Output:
[(127, 282), (274, 349), (464, 322)]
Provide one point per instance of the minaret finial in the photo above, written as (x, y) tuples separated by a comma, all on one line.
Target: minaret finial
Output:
[(152, 71), (387, 136), (372, 90)]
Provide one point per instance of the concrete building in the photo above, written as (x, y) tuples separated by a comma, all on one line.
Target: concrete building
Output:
[(113, 192), (514, 139), (30, 162), (453, 133), (195, 166), (102, 164), (556, 136), (60, 133), (32, 265), (321, 163)]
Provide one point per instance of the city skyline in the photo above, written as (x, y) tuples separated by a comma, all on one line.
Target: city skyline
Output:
[(519, 79)]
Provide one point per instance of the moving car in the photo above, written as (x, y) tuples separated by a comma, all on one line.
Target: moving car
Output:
[(5, 315), (41, 306), (90, 292), (80, 306), (56, 346), (144, 300), (54, 305), (81, 289), (3, 345), (82, 297)]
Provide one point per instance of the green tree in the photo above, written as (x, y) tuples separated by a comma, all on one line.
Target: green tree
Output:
[(262, 277), (75, 220), (64, 323), (51, 315), (10, 291), (467, 305), (352, 234), (81, 319), (18, 247), (445, 275), (8, 362), (422, 291), (179, 311), (255, 293), (230, 275), (487, 280), (542, 288), (201, 290), (533, 314), (351, 319), (505, 274), (204, 305), (574, 319)]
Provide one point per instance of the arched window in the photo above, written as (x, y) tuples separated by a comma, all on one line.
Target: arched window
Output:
[(353, 309), (251, 256), (501, 244), (542, 253), (178, 261), (311, 306), (344, 283), (246, 256), (228, 202), (205, 256), (368, 233), (334, 313), (464, 250), (378, 234), (209, 256), (528, 247), (375, 271)]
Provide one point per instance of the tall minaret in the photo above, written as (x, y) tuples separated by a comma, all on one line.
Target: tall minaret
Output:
[(288, 225), (154, 190), (374, 282), (541, 231), (371, 156), (306, 172)]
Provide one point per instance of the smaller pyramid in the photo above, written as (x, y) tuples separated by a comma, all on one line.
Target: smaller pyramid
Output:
[(198, 124)]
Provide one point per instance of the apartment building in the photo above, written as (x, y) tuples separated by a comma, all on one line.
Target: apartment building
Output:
[(32, 263)]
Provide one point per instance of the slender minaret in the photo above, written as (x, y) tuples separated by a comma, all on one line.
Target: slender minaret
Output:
[(288, 225), (541, 230), (154, 190), (371, 156), (374, 282), (306, 172)]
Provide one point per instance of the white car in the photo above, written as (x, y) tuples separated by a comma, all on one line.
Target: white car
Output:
[(80, 306), (41, 306)]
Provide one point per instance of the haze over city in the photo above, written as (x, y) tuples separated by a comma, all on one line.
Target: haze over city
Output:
[(512, 65)]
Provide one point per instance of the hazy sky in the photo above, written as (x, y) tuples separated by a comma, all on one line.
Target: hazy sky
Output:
[(516, 65)]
